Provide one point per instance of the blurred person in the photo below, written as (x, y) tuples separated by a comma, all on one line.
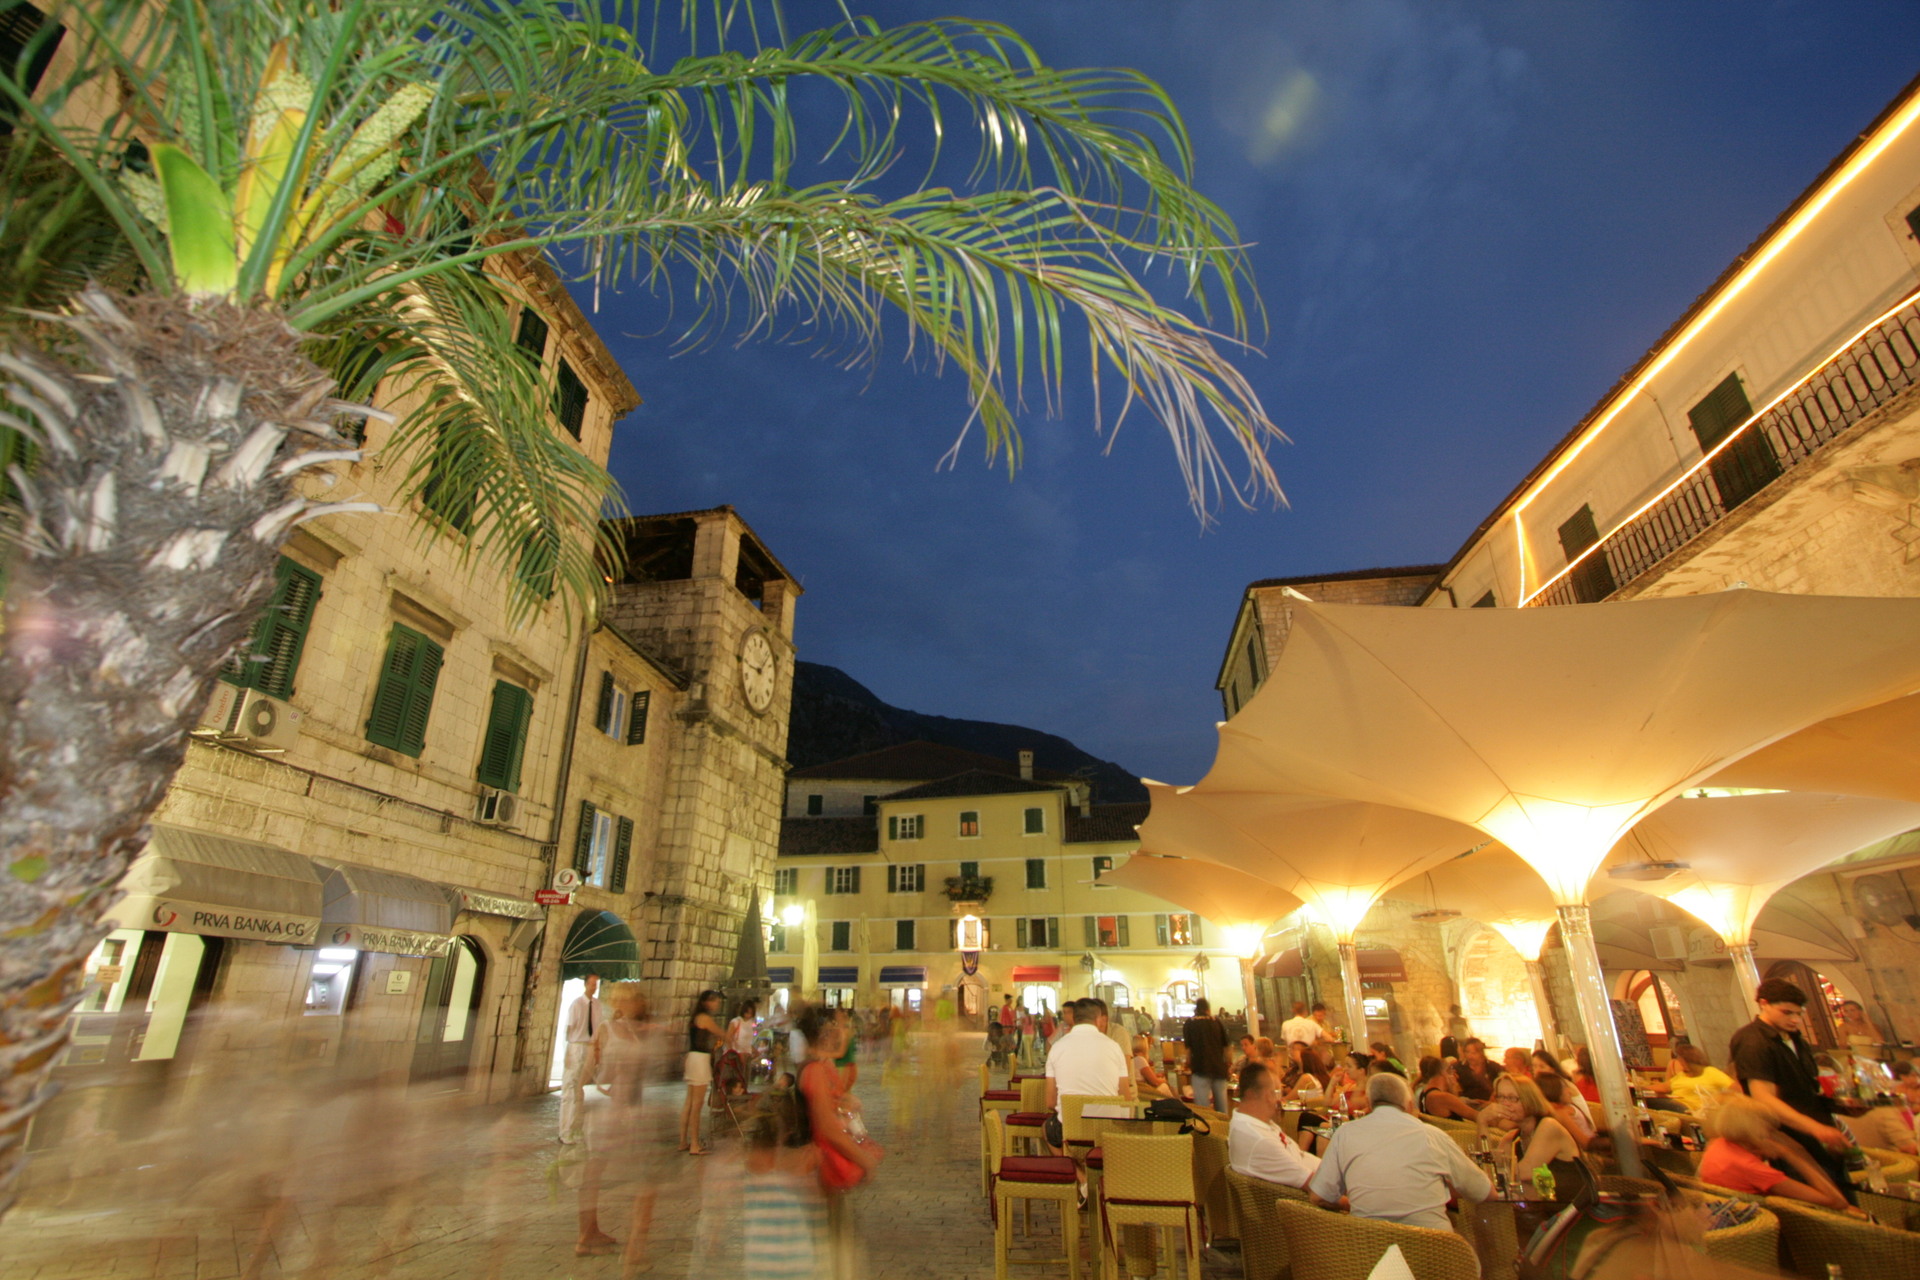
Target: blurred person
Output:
[(1476, 1073), (1009, 1022), (1438, 1093), (1583, 1077), (703, 1033), (1256, 1145), (1046, 1025), (1390, 1167), (1544, 1065), (1320, 1016), (1206, 1045), (847, 1062), (1147, 1083), (845, 1159), (1559, 1094), (1540, 1136), (1747, 1152), (1457, 1033), (1064, 1024), (1300, 1029), (1115, 1027), (783, 1215), (584, 1017), (1382, 1054), (1024, 1029), (1906, 1083), (1517, 1062), (1775, 1066), (1853, 1026), (1693, 1082), (619, 1060)]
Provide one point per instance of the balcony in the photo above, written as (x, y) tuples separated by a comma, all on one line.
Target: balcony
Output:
[(1873, 369), (969, 888)]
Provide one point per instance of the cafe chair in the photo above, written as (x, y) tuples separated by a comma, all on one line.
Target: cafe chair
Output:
[(1894, 1166), (1325, 1245), (1754, 1245), (1815, 1237), (1027, 1179), (1083, 1133), (1263, 1245), (1210, 1180), (1147, 1183), (1027, 1125), (1001, 1100)]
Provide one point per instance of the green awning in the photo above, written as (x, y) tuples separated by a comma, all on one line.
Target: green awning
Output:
[(600, 943)]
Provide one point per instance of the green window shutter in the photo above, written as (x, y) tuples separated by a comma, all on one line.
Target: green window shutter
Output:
[(953, 933), (1093, 931), (1193, 927), (893, 827), (855, 887), (829, 888), (1053, 931), (1124, 941), (605, 708), (505, 741), (403, 699), (539, 562), (1160, 930), (532, 336), (272, 655), (622, 851), (637, 717), (893, 878), (450, 491), (569, 399), (583, 840)]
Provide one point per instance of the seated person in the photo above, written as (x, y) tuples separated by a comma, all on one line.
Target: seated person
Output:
[(1347, 1085), (1298, 1080), (1502, 1115), (1543, 1065), (1747, 1151), (1583, 1078), (1559, 1094), (1518, 1062), (1256, 1146), (1438, 1093), (1542, 1138), (1147, 1082), (1382, 1056), (1693, 1082), (1906, 1083), (1391, 1167)]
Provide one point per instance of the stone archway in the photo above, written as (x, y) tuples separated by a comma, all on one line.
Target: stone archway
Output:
[(1496, 997)]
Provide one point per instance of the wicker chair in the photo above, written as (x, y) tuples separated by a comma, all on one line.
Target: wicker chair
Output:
[(1026, 1125), (1754, 1245), (1894, 1166), (1210, 1180), (1030, 1178), (1148, 1182), (1263, 1245), (1005, 1101), (1815, 1237), (1338, 1246), (1082, 1133)]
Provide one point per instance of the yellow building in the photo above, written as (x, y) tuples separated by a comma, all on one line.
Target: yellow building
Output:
[(870, 907)]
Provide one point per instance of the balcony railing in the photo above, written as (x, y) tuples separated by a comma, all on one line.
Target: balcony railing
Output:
[(1867, 373), (969, 888)]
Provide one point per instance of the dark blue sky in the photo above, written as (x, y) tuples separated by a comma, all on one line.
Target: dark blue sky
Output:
[(1467, 220)]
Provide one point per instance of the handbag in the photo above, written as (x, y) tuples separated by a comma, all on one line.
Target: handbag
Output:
[(837, 1172), (1174, 1109)]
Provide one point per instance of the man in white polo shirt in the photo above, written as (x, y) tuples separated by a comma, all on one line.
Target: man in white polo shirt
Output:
[(1300, 1029), (1393, 1167), (1085, 1063), (1256, 1145)]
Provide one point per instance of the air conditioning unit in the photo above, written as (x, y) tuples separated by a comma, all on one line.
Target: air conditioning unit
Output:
[(261, 723), (219, 712), (498, 808), (1669, 943)]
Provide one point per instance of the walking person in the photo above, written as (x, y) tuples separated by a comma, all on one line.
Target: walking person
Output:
[(846, 1159), (703, 1033), (584, 1017), (616, 1158), (1009, 1025), (1775, 1067), (1206, 1042)]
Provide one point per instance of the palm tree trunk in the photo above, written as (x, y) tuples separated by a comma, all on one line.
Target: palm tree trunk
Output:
[(168, 445)]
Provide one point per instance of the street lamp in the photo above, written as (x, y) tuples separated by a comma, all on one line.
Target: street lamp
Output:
[(793, 915)]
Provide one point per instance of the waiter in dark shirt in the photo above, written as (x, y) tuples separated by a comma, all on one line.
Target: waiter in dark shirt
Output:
[(1775, 1066), (1476, 1071)]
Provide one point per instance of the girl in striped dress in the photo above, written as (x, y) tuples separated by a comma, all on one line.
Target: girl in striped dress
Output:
[(780, 1195)]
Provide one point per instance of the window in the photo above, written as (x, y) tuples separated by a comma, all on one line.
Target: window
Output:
[(403, 699), (1744, 467), (903, 935), (1177, 930), (786, 882), (911, 879), (1036, 821), (24, 27), (1037, 932), (969, 871), (843, 879), (610, 716), (908, 826), (1102, 865), (1036, 873), (602, 846), (505, 740), (272, 655), (777, 940), (450, 489), (1107, 931), (1592, 579), (570, 399), (969, 823), (816, 805), (840, 936), (637, 708), (532, 335), (539, 562)]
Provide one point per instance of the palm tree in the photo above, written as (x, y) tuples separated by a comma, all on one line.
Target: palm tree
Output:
[(226, 222)]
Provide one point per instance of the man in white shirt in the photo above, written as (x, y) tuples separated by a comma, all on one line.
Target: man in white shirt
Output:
[(1391, 1166), (1255, 1144), (1300, 1029), (584, 1017), (1085, 1063)]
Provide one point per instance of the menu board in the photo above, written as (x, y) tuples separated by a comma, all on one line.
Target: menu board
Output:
[(1633, 1035)]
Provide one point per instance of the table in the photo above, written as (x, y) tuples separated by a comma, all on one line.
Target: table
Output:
[(1890, 1210)]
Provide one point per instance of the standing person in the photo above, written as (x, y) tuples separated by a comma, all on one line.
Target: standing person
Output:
[(1300, 1029), (744, 1028), (584, 1017), (1068, 1009), (1775, 1067), (1476, 1073), (845, 1161), (1457, 1033), (1023, 1034), (1046, 1026), (615, 1141), (703, 1033), (1327, 1035), (1009, 1021), (1206, 1043), (846, 1061)]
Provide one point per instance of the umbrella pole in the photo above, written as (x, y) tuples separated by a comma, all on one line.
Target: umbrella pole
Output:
[(1603, 1039), (1746, 974), (1253, 999), (1549, 1034), (1356, 1007)]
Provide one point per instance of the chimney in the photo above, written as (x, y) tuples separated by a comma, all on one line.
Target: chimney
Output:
[(1026, 765)]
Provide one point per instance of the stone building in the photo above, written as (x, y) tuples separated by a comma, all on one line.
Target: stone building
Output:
[(1769, 439)]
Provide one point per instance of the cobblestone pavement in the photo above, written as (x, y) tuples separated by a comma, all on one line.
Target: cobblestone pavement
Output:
[(494, 1201)]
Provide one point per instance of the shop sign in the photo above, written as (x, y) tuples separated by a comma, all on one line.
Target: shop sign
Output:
[(480, 902), (231, 922), (108, 974), (397, 942), (552, 897), (566, 879), (398, 980)]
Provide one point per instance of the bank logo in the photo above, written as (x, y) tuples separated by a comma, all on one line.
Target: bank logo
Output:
[(164, 915), (343, 937)]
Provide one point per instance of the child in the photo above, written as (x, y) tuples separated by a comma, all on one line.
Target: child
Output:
[(785, 1217)]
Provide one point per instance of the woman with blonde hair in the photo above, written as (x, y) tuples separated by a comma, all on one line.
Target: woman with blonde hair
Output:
[(1539, 1134), (1147, 1082), (1746, 1151), (617, 1059)]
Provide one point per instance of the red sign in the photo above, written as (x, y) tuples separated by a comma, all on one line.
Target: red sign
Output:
[(1036, 973), (551, 897)]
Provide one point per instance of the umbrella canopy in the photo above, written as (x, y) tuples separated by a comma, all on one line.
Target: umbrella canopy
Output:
[(1875, 752), (1229, 898), (1491, 885), (750, 953), (1335, 855), (1737, 851), (1554, 730)]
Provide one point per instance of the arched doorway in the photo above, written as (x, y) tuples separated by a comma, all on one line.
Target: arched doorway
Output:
[(450, 1014), (1496, 996), (598, 943)]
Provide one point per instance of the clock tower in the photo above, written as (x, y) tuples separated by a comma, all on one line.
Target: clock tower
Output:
[(705, 597)]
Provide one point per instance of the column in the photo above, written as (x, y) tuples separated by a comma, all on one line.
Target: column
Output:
[(1537, 975), (1253, 997), (1603, 1040), (1356, 1007), (1746, 974)]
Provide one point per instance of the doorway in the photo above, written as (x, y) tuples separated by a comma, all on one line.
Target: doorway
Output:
[(449, 1015)]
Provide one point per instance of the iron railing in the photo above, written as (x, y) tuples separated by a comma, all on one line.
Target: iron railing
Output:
[(1876, 367)]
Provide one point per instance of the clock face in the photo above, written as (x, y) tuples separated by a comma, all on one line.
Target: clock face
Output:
[(757, 671)]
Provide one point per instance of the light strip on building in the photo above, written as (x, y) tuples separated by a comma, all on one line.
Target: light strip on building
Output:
[(1708, 457), (1869, 152)]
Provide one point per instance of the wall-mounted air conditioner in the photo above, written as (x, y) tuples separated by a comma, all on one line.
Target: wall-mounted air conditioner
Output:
[(250, 719), (496, 808)]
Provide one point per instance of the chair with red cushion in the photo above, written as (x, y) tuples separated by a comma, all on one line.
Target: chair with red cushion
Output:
[(1030, 1178)]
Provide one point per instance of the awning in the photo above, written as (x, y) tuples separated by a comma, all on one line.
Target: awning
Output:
[(191, 882), (386, 911), (1380, 964), (839, 975), (781, 975), (599, 943), (481, 903), (1036, 973), (1281, 964), (903, 975)]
